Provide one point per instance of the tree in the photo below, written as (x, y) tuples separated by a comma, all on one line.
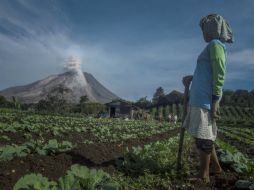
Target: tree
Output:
[(54, 104), (174, 97), (92, 108), (242, 98), (16, 102), (3, 101), (227, 97), (143, 103), (83, 99), (158, 95)]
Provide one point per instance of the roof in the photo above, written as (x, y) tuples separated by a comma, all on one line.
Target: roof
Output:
[(117, 102)]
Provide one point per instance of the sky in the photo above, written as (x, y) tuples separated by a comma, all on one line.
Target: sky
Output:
[(132, 47)]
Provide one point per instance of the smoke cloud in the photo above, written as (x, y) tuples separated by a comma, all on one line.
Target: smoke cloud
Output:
[(78, 82), (73, 64)]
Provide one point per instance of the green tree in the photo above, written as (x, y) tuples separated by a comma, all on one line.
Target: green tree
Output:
[(3, 101), (83, 99), (227, 97), (16, 103), (143, 103), (174, 97), (54, 103), (60, 91), (159, 94), (92, 108)]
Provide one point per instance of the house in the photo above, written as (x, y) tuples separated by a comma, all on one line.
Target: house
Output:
[(121, 108)]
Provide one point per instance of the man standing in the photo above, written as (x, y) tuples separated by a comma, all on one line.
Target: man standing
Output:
[(206, 91), (169, 118), (175, 119)]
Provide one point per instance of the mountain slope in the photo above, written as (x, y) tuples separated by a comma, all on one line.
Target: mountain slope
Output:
[(67, 84), (99, 91)]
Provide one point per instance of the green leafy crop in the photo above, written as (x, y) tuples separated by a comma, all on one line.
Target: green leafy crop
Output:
[(53, 146), (158, 157), (230, 155), (7, 152), (77, 178), (34, 182)]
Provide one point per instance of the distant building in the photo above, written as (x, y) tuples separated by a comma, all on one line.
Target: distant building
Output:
[(121, 108)]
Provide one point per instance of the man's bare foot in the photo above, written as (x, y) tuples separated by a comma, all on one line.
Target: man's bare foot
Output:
[(215, 171), (204, 179)]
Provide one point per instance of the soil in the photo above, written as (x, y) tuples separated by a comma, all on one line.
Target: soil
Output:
[(16, 138), (99, 156), (248, 150)]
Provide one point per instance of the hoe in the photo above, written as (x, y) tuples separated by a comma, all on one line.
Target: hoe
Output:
[(180, 149)]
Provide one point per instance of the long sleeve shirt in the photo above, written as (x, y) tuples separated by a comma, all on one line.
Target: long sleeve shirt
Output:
[(209, 75), (218, 62)]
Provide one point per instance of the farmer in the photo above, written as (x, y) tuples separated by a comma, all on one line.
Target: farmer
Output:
[(169, 117), (206, 91), (175, 119)]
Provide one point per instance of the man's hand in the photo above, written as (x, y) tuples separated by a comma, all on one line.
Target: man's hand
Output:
[(187, 80), (216, 110)]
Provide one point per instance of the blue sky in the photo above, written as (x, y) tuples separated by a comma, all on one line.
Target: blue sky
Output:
[(132, 47)]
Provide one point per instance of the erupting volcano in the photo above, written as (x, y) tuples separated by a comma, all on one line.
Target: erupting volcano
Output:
[(71, 85)]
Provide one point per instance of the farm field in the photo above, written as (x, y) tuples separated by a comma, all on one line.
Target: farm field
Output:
[(63, 152)]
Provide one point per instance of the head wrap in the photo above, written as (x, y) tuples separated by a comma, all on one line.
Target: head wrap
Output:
[(215, 26)]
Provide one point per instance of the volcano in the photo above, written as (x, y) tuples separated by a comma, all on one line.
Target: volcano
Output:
[(69, 85)]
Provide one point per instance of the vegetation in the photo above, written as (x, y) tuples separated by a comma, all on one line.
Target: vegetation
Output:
[(154, 158), (242, 98), (90, 108), (53, 104), (78, 177), (232, 156), (8, 152), (102, 130), (158, 95), (54, 128)]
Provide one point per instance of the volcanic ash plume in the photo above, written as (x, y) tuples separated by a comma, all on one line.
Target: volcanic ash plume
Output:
[(73, 66), (78, 82)]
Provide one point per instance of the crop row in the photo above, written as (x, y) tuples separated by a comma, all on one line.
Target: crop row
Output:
[(154, 166), (237, 137), (240, 132), (104, 129), (148, 167), (8, 152), (227, 112), (230, 112)]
